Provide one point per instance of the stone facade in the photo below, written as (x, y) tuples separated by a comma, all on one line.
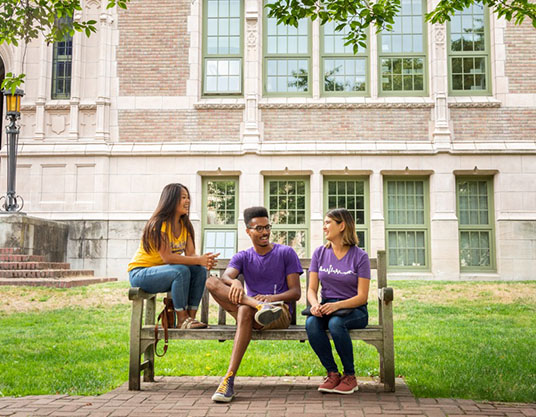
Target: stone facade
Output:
[(137, 120)]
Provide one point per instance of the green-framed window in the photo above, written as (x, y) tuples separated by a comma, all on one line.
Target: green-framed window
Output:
[(475, 220), (353, 195), (287, 58), (62, 59), (343, 72), (287, 200), (220, 215), (407, 223), (468, 49), (402, 52), (222, 47)]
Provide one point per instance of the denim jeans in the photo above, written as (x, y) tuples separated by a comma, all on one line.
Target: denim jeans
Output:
[(186, 283), (338, 327)]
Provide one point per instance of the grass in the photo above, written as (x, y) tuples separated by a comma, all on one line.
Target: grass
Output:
[(462, 340)]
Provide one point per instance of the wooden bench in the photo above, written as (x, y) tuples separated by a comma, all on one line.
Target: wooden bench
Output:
[(142, 331)]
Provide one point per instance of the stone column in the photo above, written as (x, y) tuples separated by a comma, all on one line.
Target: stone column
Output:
[(444, 244), (377, 220), (42, 84), (441, 134), (251, 135), (102, 129), (75, 81)]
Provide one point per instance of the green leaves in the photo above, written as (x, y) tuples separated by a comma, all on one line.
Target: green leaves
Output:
[(12, 82), (359, 15)]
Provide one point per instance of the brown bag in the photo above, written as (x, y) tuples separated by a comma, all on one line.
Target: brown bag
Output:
[(167, 316)]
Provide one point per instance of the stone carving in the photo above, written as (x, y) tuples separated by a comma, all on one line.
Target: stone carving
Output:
[(252, 35), (57, 124), (345, 105), (439, 36), (57, 106), (87, 124), (476, 104), (219, 106)]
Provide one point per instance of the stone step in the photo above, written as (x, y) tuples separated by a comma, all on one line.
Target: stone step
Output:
[(11, 266), (11, 251), (57, 283), (21, 258), (47, 273)]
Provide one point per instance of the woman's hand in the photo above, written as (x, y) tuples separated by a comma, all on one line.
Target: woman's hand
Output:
[(329, 308), (236, 292), (315, 310), (208, 260)]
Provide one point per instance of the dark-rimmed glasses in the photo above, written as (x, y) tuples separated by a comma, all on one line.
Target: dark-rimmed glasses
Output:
[(259, 229)]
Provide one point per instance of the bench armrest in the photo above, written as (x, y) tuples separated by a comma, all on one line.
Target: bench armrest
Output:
[(386, 294), (136, 293)]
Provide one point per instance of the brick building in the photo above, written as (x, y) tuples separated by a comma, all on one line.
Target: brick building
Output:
[(428, 135)]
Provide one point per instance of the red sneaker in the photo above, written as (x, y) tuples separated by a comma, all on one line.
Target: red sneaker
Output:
[(348, 385), (330, 382)]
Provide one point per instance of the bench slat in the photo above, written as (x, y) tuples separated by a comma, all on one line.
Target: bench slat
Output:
[(228, 333)]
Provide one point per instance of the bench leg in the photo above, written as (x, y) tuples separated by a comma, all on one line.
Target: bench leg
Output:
[(388, 349), (135, 346), (148, 372)]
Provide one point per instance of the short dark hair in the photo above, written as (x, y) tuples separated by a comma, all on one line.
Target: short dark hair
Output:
[(253, 212)]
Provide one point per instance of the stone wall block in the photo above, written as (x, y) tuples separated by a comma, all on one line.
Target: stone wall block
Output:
[(126, 229)]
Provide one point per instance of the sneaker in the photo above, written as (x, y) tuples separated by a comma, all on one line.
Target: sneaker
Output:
[(347, 385), (225, 392), (330, 382), (267, 313)]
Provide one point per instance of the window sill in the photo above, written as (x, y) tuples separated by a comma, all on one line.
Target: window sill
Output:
[(220, 103), (473, 102), (346, 102)]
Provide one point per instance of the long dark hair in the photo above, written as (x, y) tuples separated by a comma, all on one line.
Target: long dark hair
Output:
[(164, 212)]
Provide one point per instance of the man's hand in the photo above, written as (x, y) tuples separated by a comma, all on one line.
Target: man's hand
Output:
[(236, 292), (264, 298)]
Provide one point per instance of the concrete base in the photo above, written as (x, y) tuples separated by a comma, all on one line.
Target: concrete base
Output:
[(34, 236)]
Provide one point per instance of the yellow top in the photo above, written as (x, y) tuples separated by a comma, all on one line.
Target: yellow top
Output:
[(153, 258)]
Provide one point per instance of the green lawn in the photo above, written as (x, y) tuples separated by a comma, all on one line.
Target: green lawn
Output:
[(463, 340)]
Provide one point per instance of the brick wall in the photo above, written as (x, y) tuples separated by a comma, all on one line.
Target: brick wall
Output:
[(520, 64), (346, 124), (180, 125), (152, 57), (494, 124)]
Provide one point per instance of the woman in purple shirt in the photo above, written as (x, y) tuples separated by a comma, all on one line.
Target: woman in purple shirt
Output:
[(344, 271)]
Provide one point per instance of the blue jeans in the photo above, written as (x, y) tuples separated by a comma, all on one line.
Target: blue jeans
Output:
[(338, 327), (186, 283)]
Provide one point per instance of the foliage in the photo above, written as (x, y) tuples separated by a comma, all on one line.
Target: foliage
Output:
[(359, 15), (26, 20)]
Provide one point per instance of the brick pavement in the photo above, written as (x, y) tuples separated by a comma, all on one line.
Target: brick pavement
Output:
[(266, 396)]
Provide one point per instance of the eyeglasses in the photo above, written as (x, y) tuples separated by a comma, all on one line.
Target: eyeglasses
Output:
[(259, 229)]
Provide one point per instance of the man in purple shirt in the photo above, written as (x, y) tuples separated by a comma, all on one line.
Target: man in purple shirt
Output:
[(272, 276)]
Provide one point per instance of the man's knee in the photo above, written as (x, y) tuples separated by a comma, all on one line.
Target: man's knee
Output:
[(212, 283), (245, 314)]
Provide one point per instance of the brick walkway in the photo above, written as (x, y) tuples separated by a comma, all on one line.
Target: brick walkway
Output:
[(269, 397)]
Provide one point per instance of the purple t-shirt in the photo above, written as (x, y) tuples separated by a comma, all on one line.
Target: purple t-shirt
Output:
[(266, 274), (339, 277)]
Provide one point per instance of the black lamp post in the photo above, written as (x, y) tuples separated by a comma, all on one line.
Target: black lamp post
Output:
[(11, 203)]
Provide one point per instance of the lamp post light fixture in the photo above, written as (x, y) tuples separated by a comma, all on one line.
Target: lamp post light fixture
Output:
[(11, 203)]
